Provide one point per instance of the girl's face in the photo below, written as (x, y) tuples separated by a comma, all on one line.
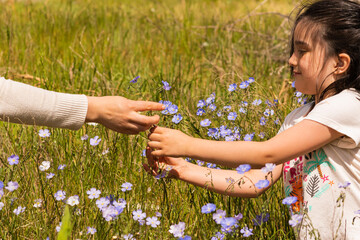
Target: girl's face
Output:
[(312, 69)]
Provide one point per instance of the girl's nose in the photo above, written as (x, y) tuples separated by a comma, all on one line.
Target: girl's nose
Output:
[(292, 60)]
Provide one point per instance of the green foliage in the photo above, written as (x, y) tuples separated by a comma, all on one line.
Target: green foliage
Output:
[(66, 226)]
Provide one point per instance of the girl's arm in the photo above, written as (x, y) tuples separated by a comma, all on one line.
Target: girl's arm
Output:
[(300, 139), (225, 182)]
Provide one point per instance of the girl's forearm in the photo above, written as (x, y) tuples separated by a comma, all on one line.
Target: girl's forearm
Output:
[(230, 154), (227, 182)]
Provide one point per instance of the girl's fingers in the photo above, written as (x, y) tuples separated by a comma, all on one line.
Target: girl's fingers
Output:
[(154, 137), (156, 145), (149, 170), (157, 153)]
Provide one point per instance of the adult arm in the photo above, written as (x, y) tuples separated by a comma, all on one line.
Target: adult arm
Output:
[(22, 103), (25, 104)]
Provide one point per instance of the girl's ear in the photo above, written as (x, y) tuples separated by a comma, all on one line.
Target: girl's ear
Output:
[(343, 63)]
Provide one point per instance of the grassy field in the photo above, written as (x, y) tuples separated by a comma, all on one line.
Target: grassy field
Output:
[(96, 48)]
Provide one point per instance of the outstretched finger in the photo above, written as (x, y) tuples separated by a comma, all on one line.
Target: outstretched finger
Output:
[(147, 106)]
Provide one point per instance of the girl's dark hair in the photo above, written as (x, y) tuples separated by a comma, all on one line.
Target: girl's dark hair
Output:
[(338, 23)]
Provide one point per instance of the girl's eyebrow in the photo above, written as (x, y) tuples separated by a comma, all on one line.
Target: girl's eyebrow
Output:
[(301, 43)]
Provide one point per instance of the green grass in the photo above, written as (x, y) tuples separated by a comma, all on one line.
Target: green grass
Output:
[(96, 48)]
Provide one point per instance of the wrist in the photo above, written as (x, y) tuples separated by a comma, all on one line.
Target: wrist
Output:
[(92, 113), (183, 171), (189, 146)]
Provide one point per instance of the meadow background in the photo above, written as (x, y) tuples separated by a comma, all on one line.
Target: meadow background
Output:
[(96, 48)]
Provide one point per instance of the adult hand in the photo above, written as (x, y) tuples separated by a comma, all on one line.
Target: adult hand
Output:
[(174, 166), (121, 114), (169, 142)]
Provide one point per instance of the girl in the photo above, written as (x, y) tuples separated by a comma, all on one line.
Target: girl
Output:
[(317, 149)]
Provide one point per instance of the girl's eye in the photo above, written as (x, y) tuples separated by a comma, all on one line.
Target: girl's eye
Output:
[(302, 51)]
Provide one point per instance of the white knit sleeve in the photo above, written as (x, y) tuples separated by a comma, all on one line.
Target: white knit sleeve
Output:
[(22, 103)]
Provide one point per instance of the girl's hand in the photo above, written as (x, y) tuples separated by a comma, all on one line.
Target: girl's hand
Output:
[(174, 166), (168, 142), (121, 114)]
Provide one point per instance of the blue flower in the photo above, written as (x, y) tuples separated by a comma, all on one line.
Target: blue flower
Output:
[(232, 87), (211, 165), (60, 195), (268, 112), (268, 167), (249, 137), (12, 186), (261, 135), (152, 221), (186, 237), (135, 79), (218, 236), (95, 141), (13, 159), (172, 109), (166, 85), (1, 184), (228, 222), (289, 200), (210, 99), (50, 175), (61, 166), (244, 84), (246, 232), (201, 104), (212, 107), (260, 219), (44, 133), (91, 230), (243, 168), (128, 236), (93, 193), (230, 138), (213, 132), (242, 110), (232, 116), (262, 184), (200, 163), (126, 187), (177, 118), (251, 80), (19, 210), (262, 121), (200, 112), (167, 104), (205, 123), (295, 219), (344, 185), (177, 229), (208, 208), (227, 108), (138, 215), (244, 104), (256, 102)]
